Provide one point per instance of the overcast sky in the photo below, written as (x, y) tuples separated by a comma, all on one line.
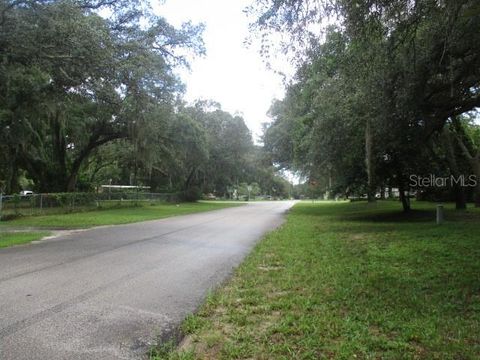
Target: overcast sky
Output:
[(230, 73)]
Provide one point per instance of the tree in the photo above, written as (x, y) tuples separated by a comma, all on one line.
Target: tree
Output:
[(191, 154), (229, 144), (400, 74), (82, 81)]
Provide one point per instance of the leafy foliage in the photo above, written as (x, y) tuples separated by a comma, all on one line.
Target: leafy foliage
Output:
[(80, 81), (90, 97), (373, 93)]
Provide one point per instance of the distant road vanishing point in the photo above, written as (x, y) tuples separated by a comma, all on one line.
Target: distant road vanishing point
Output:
[(109, 292)]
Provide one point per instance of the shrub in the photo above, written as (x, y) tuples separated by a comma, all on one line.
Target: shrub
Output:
[(192, 194)]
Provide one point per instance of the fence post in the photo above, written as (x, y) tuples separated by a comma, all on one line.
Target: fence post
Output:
[(41, 203), (1, 203)]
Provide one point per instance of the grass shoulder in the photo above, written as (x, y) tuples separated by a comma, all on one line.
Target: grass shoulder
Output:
[(113, 216), (19, 231), (348, 281), (8, 239)]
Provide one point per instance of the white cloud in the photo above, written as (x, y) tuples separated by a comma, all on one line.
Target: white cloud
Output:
[(231, 74)]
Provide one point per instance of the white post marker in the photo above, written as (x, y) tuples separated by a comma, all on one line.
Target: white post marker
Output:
[(440, 217)]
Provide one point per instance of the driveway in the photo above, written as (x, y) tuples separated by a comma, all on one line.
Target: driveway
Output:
[(109, 292)]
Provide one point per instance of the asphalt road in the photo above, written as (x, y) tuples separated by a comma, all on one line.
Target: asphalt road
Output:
[(108, 292)]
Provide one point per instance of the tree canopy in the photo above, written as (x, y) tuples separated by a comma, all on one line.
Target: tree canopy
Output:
[(374, 90), (90, 96)]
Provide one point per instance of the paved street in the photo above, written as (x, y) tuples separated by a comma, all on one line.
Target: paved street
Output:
[(107, 293)]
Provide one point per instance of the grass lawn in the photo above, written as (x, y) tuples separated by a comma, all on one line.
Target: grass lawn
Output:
[(348, 281), (113, 216), (16, 238)]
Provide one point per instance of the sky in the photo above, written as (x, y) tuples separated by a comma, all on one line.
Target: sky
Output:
[(230, 73)]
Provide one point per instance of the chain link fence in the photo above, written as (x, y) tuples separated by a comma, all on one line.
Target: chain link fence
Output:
[(41, 204)]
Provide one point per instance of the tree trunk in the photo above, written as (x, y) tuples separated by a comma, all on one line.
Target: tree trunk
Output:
[(59, 146), (460, 196), (474, 161), (12, 184), (369, 162), (475, 164), (403, 198), (84, 154), (72, 182), (189, 178), (476, 170)]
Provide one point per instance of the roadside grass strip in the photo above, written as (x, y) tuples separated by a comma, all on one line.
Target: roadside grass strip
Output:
[(347, 281), (113, 216), (8, 239)]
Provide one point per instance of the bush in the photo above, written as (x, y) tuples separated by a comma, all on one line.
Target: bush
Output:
[(8, 217), (192, 194)]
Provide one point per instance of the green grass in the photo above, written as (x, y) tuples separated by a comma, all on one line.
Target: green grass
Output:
[(112, 216), (348, 281), (16, 238)]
